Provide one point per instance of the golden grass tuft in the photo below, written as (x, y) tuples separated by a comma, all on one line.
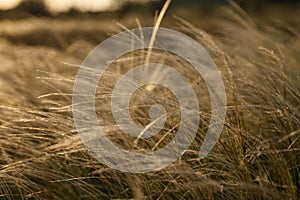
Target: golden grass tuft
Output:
[(257, 156)]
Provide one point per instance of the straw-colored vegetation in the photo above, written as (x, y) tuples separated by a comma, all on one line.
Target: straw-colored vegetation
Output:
[(257, 156)]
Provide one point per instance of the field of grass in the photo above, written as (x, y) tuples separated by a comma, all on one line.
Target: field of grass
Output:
[(256, 157)]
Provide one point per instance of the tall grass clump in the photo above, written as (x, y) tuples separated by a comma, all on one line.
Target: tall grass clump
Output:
[(257, 156)]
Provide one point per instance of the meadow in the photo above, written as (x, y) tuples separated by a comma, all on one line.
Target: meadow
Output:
[(256, 157)]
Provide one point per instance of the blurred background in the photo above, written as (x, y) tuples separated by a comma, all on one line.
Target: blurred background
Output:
[(54, 7), (28, 21)]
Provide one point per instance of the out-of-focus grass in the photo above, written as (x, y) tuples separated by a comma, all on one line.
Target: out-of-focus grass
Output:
[(257, 156)]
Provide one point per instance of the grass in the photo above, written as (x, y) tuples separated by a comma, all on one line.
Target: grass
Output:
[(257, 156)]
